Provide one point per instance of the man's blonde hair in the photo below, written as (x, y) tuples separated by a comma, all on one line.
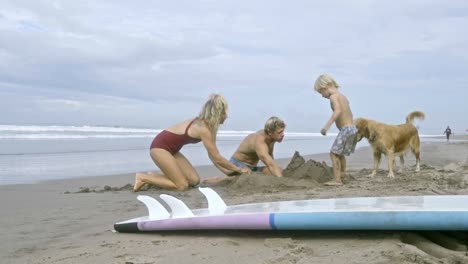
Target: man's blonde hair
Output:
[(213, 110), (324, 81), (273, 123)]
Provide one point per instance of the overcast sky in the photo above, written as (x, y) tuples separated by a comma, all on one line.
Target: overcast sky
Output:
[(154, 63)]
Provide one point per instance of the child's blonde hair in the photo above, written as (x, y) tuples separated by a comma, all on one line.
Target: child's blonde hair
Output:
[(213, 110), (324, 81), (273, 123)]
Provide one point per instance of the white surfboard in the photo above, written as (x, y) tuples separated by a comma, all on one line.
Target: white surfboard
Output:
[(433, 212)]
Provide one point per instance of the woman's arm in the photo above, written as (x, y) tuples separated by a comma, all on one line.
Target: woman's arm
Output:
[(219, 161)]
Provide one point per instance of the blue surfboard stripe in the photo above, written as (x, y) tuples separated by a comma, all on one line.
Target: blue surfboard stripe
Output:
[(372, 220), (272, 221)]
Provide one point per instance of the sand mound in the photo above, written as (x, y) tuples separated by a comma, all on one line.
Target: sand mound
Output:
[(298, 174), (313, 170), (107, 188)]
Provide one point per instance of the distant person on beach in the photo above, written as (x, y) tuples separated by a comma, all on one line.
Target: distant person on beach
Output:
[(346, 140), (177, 172), (257, 147), (447, 133)]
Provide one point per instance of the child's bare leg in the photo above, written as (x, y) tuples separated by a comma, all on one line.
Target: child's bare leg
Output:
[(336, 171), (342, 166)]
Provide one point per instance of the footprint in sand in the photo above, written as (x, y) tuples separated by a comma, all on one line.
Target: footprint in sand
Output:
[(441, 245), (291, 251)]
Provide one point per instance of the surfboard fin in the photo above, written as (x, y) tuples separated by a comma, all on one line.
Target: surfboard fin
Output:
[(155, 210), (178, 208), (216, 205)]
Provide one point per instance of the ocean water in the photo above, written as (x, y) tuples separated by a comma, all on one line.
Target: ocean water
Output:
[(30, 154)]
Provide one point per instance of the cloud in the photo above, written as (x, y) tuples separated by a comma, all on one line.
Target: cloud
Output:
[(59, 104), (265, 54)]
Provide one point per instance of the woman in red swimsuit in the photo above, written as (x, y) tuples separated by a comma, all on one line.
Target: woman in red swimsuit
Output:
[(177, 172)]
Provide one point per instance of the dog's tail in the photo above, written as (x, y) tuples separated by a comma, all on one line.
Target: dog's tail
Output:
[(415, 114)]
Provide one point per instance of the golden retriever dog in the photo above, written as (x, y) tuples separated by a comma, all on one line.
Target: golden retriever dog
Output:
[(391, 140)]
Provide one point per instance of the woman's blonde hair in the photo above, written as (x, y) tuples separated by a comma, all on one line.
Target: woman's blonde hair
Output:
[(324, 81), (273, 123), (213, 110)]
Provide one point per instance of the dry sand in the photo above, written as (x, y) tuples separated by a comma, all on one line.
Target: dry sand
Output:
[(70, 221)]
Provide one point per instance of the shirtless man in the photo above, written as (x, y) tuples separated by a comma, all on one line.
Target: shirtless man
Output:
[(257, 147), (346, 140)]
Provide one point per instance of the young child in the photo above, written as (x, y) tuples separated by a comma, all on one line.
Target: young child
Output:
[(346, 140)]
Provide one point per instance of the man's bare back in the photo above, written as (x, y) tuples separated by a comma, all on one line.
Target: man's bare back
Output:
[(257, 147), (345, 118), (247, 150)]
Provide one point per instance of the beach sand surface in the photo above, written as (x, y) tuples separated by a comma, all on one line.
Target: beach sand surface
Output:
[(71, 221)]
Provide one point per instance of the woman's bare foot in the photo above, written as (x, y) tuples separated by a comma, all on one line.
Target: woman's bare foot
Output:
[(333, 183), (138, 182)]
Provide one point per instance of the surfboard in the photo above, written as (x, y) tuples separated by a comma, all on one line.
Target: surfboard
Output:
[(433, 212)]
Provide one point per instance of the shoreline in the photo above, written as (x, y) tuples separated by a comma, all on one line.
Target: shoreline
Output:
[(53, 222), (207, 167), (32, 171)]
